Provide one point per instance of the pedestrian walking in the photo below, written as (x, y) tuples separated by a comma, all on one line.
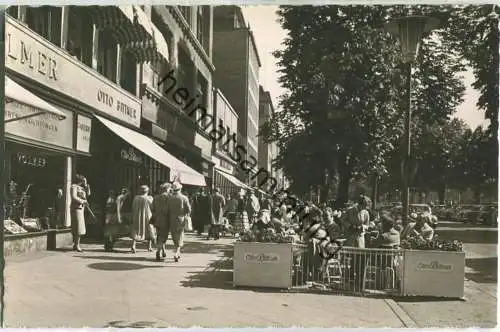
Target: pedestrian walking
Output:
[(80, 190), (201, 211), (111, 211), (217, 203), (252, 206), (178, 208), (141, 216), (120, 200), (232, 208), (160, 217)]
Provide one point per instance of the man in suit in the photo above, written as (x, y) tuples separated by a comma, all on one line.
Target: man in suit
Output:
[(217, 203)]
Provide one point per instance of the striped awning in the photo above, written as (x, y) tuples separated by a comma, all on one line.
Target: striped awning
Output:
[(133, 30)]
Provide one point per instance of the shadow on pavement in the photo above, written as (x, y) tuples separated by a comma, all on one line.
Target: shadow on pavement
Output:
[(420, 299), (470, 235), (136, 325), (119, 266), (486, 269), (192, 247)]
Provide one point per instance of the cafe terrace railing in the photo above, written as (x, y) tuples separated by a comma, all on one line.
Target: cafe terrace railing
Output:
[(352, 271)]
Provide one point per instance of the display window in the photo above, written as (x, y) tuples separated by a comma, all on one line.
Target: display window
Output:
[(35, 188)]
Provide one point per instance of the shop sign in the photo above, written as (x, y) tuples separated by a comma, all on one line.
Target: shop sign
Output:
[(227, 166), (205, 144), (33, 161), (36, 58), (131, 155), (46, 128), (435, 266), (262, 258), (83, 130)]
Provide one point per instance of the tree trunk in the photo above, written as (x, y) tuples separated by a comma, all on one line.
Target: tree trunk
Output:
[(344, 180), (442, 195)]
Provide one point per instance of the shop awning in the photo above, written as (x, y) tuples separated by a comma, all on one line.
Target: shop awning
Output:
[(132, 29), (14, 91), (185, 174), (232, 179)]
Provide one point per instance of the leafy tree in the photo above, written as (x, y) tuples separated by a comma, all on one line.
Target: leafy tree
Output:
[(472, 31), (346, 92)]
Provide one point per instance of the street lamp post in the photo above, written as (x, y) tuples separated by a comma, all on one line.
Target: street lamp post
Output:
[(409, 30)]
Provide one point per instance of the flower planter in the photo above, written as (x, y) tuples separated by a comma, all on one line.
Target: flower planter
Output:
[(434, 273), (258, 264)]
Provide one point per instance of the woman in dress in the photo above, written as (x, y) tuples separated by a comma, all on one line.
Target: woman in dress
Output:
[(80, 190), (141, 216)]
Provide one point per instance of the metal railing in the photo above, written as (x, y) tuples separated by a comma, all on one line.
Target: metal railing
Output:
[(352, 270)]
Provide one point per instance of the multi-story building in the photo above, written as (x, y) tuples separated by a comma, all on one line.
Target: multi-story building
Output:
[(267, 151), (224, 146), (87, 94), (237, 60), (177, 92)]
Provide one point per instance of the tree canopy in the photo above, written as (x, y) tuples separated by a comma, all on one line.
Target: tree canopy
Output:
[(344, 111)]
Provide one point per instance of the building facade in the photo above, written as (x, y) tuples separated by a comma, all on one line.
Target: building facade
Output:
[(224, 146), (92, 64), (177, 92), (237, 60)]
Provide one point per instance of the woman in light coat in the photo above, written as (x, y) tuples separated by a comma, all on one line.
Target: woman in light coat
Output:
[(80, 190), (141, 216)]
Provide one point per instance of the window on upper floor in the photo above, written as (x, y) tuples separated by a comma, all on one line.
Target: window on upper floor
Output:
[(202, 92), (159, 69), (107, 55), (13, 11), (46, 21), (80, 35), (186, 13), (230, 146), (200, 25), (220, 142), (237, 22), (128, 74)]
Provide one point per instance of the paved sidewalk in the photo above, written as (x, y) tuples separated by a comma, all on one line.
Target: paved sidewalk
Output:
[(98, 289)]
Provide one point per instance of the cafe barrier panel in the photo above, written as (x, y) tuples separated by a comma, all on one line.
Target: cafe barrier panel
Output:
[(352, 270)]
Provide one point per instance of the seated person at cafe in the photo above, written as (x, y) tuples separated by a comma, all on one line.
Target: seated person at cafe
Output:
[(420, 229), (389, 238)]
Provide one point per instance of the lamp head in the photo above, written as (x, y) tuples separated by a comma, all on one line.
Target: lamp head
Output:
[(409, 30)]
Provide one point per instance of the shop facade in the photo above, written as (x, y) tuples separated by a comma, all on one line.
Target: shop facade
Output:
[(44, 152)]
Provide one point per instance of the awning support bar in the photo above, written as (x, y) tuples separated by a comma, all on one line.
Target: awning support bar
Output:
[(25, 117)]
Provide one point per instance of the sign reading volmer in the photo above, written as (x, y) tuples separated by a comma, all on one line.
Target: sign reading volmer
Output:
[(32, 56)]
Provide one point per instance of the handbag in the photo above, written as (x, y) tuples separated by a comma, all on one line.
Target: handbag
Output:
[(188, 224), (152, 233)]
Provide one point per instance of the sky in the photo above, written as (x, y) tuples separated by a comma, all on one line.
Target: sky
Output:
[(269, 36)]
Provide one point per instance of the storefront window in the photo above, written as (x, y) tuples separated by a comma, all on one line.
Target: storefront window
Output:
[(46, 21), (107, 55), (80, 31), (35, 195)]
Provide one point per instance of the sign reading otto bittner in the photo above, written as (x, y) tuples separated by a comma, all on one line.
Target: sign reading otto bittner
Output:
[(262, 258), (83, 131), (32, 56)]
